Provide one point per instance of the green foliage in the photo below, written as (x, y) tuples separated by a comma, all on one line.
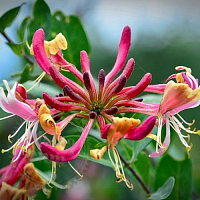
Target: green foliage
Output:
[(143, 166), (7, 18), (23, 27), (164, 191), (71, 27), (41, 19), (16, 48), (181, 171)]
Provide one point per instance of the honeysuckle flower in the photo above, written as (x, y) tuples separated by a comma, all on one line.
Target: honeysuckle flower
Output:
[(30, 182), (122, 128), (15, 103), (32, 111), (177, 97), (183, 94), (89, 102), (12, 172), (49, 53)]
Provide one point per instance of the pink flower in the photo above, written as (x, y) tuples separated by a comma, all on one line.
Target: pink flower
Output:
[(89, 103), (30, 182)]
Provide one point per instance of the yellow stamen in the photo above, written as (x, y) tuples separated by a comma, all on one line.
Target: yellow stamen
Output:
[(81, 176), (119, 168), (37, 81), (9, 138), (188, 149), (36, 139)]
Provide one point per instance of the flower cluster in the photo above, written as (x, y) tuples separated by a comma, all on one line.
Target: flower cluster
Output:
[(101, 105)]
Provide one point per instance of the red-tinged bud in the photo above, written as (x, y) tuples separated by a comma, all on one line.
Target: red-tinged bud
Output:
[(124, 46), (141, 131), (87, 83), (86, 79), (111, 111), (85, 62), (101, 78), (21, 92), (68, 92), (93, 115), (129, 68), (120, 85), (140, 87), (61, 106)]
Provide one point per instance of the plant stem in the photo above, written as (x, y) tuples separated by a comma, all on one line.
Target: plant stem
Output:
[(24, 55), (136, 175)]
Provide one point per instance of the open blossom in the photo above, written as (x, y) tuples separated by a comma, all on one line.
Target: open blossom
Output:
[(17, 104), (88, 102), (33, 112), (177, 96), (50, 53), (122, 128)]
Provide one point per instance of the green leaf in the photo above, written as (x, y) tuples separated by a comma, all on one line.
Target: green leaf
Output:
[(143, 165), (131, 149), (164, 191), (41, 19), (25, 75), (17, 48), (22, 28), (181, 171), (7, 18), (71, 27)]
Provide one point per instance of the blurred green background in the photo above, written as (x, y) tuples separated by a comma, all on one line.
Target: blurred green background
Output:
[(165, 34)]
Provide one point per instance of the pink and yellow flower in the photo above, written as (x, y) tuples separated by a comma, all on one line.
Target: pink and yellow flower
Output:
[(101, 104)]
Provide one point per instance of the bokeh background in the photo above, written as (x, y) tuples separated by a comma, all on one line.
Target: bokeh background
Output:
[(165, 34)]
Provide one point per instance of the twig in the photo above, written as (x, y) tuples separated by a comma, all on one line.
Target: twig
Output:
[(24, 55), (135, 174)]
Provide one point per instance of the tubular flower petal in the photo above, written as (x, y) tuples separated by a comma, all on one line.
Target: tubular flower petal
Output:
[(69, 154), (124, 46), (141, 131)]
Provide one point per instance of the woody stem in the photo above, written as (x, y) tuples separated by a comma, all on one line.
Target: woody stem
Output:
[(135, 174), (24, 55)]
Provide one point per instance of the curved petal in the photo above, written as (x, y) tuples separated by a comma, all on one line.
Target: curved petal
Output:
[(165, 143), (39, 52), (12, 105), (141, 131), (124, 46), (69, 154)]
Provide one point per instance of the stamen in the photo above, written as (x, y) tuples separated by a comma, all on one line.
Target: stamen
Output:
[(6, 117), (40, 77), (189, 124), (6, 150), (81, 176), (11, 136), (37, 139), (160, 120), (119, 174), (67, 186)]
